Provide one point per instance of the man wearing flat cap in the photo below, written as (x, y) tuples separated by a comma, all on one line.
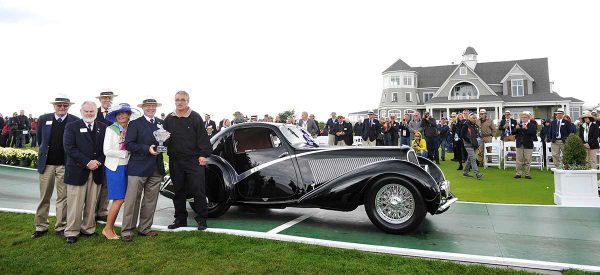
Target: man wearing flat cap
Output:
[(106, 98), (145, 172), (51, 165), (559, 131)]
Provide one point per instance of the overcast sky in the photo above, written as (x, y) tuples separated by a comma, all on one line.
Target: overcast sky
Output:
[(268, 56)]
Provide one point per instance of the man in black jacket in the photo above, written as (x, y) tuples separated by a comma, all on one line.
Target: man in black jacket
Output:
[(526, 133), (210, 126), (469, 135), (22, 127), (430, 130), (189, 146), (560, 129)]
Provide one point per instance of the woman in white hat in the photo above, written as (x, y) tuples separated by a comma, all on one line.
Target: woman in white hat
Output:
[(116, 163), (588, 133)]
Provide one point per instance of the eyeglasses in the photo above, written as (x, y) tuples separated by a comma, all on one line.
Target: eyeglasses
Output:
[(62, 105)]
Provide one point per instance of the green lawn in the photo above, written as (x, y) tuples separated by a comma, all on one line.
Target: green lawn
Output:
[(498, 185), (198, 252)]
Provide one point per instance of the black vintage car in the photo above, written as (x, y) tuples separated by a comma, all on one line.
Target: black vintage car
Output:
[(279, 165)]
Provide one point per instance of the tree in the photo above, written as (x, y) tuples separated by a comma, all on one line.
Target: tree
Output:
[(283, 116)]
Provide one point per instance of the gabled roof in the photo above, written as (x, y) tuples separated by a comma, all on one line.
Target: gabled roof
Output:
[(470, 50), (472, 71), (399, 66), (516, 66), (490, 72)]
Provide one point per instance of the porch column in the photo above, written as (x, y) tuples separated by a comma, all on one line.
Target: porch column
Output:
[(447, 112), (496, 112), (500, 112), (477, 111)]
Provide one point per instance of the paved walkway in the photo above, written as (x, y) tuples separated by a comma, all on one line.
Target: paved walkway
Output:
[(518, 235)]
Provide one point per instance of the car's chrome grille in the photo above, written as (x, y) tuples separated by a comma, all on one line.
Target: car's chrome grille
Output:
[(324, 170)]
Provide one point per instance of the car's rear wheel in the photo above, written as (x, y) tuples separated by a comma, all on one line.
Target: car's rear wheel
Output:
[(215, 209), (395, 205)]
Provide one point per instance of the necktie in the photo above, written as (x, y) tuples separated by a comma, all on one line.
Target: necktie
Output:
[(104, 113), (89, 126), (59, 120), (152, 121)]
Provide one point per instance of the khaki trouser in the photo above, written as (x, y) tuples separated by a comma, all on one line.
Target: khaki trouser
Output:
[(341, 143), (81, 200), (592, 158), (53, 176), (557, 148), (331, 140), (150, 187), (524, 160), (484, 140), (369, 142), (102, 207)]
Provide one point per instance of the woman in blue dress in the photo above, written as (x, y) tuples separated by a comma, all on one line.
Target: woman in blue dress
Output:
[(116, 164)]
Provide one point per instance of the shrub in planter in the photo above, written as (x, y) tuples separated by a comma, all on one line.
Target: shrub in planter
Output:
[(574, 155), (575, 183)]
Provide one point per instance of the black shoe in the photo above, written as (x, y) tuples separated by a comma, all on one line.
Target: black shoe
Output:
[(176, 225), (60, 232), (443, 159), (101, 218), (479, 177), (467, 176), (88, 235), (460, 168), (528, 177), (71, 240), (437, 162), (202, 224), (517, 176), (38, 234)]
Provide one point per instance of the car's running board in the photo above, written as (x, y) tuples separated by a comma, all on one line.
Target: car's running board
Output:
[(446, 205)]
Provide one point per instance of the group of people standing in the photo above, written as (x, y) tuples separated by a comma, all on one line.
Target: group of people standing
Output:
[(110, 154), (18, 130)]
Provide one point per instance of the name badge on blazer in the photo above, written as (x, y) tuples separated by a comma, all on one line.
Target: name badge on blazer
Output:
[(49, 123), (83, 130)]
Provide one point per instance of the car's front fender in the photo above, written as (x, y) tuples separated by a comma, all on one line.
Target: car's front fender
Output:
[(347, 191)]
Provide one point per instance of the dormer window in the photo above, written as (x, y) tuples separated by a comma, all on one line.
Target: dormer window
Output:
[(394, 97), (517, 87), (395, 81), (463, 71), (408, 81)]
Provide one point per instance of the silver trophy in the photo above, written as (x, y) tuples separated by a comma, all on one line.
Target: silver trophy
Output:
[(161, 135)]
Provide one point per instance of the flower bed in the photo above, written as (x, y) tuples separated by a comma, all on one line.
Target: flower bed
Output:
[(18, 157)]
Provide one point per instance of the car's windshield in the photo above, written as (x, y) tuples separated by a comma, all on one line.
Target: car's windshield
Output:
[(297, 136)]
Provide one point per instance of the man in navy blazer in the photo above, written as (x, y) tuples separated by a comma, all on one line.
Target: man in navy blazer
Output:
[(145, 172), (559, 131), (51, 165), (371, 129), (84, 171), (106, 99)]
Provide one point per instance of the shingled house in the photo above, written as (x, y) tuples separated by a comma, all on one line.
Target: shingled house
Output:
[(515, 85)]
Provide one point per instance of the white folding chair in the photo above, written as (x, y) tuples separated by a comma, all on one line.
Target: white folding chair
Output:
[(358, 141), (510, 154), (537, 157), (549, 162), (493, 158)]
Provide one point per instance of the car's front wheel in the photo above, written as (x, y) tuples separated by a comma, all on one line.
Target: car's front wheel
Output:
[(395, 205)]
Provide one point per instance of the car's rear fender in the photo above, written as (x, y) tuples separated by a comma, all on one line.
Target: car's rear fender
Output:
[(347, 191)]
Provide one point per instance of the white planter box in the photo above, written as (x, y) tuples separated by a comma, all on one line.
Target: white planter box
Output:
[(576, 188)]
